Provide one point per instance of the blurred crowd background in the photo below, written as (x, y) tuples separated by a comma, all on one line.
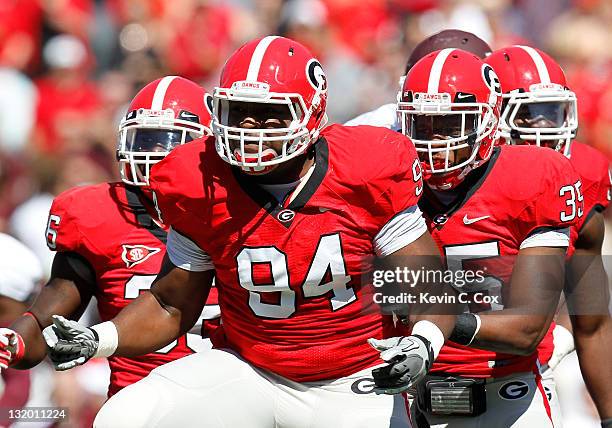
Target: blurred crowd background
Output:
[(68, 69)]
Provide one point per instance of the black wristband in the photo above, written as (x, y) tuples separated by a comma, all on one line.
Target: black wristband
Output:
[(95, 333), (606, 423), (465, 329)]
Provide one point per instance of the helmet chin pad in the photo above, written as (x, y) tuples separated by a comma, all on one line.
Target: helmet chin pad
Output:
[(446, 181)]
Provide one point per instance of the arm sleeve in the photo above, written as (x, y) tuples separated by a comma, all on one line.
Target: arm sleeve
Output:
[(62, 233), (403, 229), (398, 186), (185, 254), (598, 197), (557, 204)]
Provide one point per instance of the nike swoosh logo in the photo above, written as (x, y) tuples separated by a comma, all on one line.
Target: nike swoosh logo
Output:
[(467, 220), (188, 115)]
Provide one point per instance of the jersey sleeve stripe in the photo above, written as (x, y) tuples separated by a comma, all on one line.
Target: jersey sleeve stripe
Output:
[(547, 238), (402, 230), (186, 254)]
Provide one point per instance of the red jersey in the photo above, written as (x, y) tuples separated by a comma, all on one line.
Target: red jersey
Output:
[(593, 168), (502, 203), (108, 226), (290, 274)]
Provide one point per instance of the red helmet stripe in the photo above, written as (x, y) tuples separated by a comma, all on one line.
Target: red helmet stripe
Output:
[(539, 63), (160, 92), (436, 70), (258, 54)]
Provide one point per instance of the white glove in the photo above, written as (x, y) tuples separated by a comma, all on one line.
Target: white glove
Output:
[(70, 343), (409, 358), (12, 347), (563, 343)]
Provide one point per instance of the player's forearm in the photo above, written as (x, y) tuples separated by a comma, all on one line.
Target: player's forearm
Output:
[(35, 348), (445, 323), (145, 325), (511, 332), (535, 287), (160, 315), (593, 338)]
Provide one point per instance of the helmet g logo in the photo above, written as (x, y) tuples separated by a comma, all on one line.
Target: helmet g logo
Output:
[(492, 82), (491, 79), (316, 75)]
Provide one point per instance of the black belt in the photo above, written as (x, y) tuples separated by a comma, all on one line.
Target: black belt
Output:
[(451, 395)]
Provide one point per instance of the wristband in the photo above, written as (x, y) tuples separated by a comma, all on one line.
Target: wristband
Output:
[(30, 314), (432, 333), (466, 329), (108, 339)]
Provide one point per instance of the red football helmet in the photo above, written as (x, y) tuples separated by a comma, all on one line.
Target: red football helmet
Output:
[(449, 106), (165, 113), (538, 106), (282, 74)]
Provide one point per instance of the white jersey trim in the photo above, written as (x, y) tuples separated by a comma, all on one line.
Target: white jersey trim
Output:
[(185, 254), (548, 238), (402, 230)]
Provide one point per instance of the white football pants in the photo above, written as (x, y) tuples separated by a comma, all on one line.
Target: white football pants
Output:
[(218, 389)]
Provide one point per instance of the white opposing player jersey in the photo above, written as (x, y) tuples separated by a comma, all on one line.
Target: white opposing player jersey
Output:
[(384, 116)]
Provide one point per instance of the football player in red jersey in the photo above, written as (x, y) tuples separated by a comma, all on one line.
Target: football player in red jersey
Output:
[(539, 109), (291, 217), (107, 244), (501, 211)]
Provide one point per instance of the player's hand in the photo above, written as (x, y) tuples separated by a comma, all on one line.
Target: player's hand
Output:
[(563, 343), (12, 347), (409, 358), (70, 343)]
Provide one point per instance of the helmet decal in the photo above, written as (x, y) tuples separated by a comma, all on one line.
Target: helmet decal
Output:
[(316, 75), (435, 72), (539, 63), (491, 79), (160, 92), (257, 57)]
